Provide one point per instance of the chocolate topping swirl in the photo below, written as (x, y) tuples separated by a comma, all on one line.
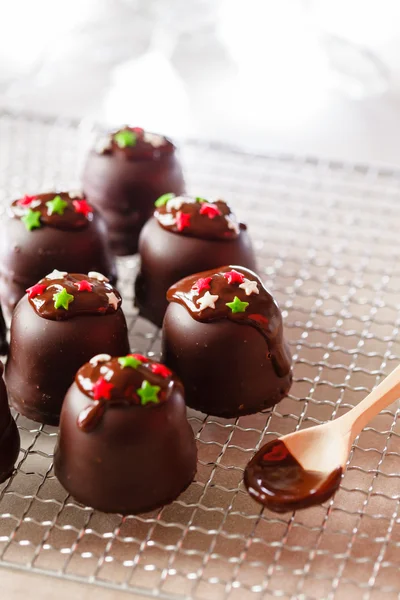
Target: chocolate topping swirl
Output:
[(61, 210), (132, 380), (237, 294), (60, 296), (133, 143), (197, 217)]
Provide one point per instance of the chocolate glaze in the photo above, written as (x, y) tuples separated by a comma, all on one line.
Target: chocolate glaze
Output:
[(72, 242), (167, 257), (116, 454), (46, 351), (230, 363), (3, 335), (9, 435), (124, 183), (275, 479)]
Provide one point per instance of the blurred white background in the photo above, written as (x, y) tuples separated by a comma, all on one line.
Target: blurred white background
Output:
[(319, 77)]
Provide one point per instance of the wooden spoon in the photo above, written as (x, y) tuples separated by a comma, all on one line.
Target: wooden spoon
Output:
[(305, 468)]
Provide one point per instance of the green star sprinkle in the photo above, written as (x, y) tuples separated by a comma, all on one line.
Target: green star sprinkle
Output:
[(125, 138), (62, 299), (237, 306), (148, 393), (200, 199), (56, 206), (129, 361), (32, 219), (162, 200)]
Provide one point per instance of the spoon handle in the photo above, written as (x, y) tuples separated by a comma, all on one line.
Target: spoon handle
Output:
[(382, 396)]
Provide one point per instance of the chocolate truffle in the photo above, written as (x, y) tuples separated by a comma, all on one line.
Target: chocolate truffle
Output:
[(46, 232), (3, 335), (56, 327), (9, 436), (125, 445), (185, 236), (125, 174), (223, 336)]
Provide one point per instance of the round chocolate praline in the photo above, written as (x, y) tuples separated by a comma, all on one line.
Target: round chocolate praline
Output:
[(125, 445), (9, 435), (223, 336), (46, 232), (124, 175), (56, 327), (185, 236)]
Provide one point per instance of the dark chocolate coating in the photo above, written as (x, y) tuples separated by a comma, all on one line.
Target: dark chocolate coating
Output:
[(3, 335), (9, 435), (167, 257), (27, 256), (45, 355), (136, 458), (123, 185)]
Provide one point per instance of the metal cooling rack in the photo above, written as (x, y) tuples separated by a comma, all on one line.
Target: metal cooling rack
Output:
[(327, 238)]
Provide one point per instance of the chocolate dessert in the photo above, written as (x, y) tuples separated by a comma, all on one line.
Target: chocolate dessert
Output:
[(9, 435), (46, 232), (125, 174), (223, 337), (185, 236), (59, 324), (124, 444)]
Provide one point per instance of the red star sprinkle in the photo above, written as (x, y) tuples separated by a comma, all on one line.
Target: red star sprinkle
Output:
[(138, 130), (102, 389), (36, 290), (202, 284), (234, 277), (140, 357), (160, 370), (182, 220), (210, 210), (26, 200), (81, 206), (84, 286)]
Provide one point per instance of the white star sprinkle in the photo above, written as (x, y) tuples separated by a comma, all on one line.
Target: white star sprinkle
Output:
[(232, 225), (75, 194), (154, 139), (99, 358), (98, 276), (56, 274), (113, 300), (103, 144), (175, 203), (250, 287), (207, 301)]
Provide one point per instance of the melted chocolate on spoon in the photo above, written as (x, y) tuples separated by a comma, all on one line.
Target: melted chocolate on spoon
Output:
[(275, 479)]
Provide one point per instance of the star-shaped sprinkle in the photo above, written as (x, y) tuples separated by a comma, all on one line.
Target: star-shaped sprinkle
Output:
[(154, 139), (250, 287), (32, 219), (56, 206), (207, 301), (26, 200), (182, 220), (113, 300), (56, 274), (84, 286), (232, 225), (129, 361), (36, 290), (210, 210), (175, 203), (148, 393), (99, 276), (159, 369), (200, 199), (62, 299), (162, 200), (125, 138), (237, 306), (234, 276), (201, 284), (140, 357), (102, 389), (100, 358), (81, 206), (103, 144)]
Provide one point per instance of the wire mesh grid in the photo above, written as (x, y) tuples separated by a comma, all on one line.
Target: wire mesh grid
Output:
[(326, 236)]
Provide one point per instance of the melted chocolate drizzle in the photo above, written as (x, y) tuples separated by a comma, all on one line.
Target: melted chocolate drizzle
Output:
[(125, 382), (146, 146), (276, 479), (71, 218), (262, 312), (102, 299), (201, 218)]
